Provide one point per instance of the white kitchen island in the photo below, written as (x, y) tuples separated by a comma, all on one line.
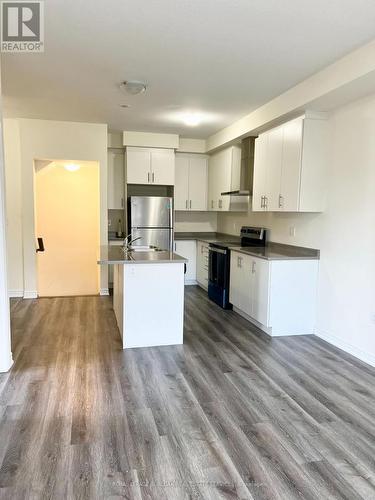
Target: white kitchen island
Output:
[(148, 296)]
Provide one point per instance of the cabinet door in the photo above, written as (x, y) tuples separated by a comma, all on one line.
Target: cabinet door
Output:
[(138, 165), (163, 167), (291, 165), (181, 189), (273, 168), (116, 182), (235, 282), (260, 274), (212, 182), (197, 183), (224, 178), (202, 264), (188, 249), (260, 172), (246, 284)]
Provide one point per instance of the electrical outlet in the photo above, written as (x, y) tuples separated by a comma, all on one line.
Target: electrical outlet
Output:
[(109, 222), (292, 231)]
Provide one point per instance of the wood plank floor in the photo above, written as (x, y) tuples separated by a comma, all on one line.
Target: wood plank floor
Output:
[(231, 414)]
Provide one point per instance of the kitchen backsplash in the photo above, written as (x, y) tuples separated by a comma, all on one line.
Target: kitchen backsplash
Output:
[(113, 217), (195, 221)]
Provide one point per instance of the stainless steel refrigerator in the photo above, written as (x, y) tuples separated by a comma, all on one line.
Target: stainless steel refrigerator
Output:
[(151, 219)]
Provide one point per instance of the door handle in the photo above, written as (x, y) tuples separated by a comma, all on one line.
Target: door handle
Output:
[(40, 245)]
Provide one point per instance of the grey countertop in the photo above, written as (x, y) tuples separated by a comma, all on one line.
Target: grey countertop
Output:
[(116, 255), (272, 251), (279, 251)]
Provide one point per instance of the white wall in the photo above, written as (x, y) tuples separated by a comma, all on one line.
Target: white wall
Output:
[(345, 233), (13, 207), (5, 347), (45, 139)]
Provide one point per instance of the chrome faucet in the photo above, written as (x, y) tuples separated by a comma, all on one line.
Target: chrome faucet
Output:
[(127, 243)]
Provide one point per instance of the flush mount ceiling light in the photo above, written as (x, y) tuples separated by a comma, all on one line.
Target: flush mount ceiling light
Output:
[(72, 167), (124, 106), (192, 119), (133, 87)]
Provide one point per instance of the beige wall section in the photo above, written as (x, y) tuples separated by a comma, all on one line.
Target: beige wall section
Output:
[(12, 152), (345, 233), (68, 217), (44, 139)]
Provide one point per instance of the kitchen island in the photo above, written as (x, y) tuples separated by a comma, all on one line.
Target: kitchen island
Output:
[(148, 295)]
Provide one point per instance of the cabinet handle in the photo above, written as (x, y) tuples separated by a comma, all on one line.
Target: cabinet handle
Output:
[(153, 177), (220, 203), (253, 266), (281, 201), (122, 202), (239, 261), (212, 203), (190, 204), (186, 204), (262, 202), (148, 177), (266, 202)]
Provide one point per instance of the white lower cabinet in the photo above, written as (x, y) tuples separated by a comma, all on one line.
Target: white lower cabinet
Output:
[(279, 296), (188, 249), (202, 264)]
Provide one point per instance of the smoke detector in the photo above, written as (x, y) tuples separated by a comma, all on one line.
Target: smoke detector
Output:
[(133, 87)]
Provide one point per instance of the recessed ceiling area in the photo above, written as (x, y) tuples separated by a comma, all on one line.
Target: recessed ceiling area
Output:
[(214, 59)]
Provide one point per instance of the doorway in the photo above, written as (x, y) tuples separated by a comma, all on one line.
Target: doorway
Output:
[(67, 211)]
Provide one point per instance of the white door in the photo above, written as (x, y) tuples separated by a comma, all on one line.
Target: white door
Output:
[(181, 189), (197, 183), (67, 218), (260, 172), (273, 167), (291, 166), (138, 166), (260, 270), (116, 181), (163, 167), (188, 249)]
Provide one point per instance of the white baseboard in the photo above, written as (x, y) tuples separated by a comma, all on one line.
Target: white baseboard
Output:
[(104, 291), (12, 294), (191, 282), (367, 357), (30, 294)]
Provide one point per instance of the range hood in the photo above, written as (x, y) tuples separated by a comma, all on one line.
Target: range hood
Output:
[(242, 175)]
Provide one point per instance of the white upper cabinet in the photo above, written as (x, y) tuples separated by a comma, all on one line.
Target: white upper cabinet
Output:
[(181, 189), (191, 182), (150, 166), (116, 180), (224, 167), (290, 167)]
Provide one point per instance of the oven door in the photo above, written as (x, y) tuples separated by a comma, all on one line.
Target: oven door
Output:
[(217, 264)]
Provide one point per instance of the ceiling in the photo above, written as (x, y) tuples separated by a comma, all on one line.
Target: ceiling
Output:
[(224, 58)]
